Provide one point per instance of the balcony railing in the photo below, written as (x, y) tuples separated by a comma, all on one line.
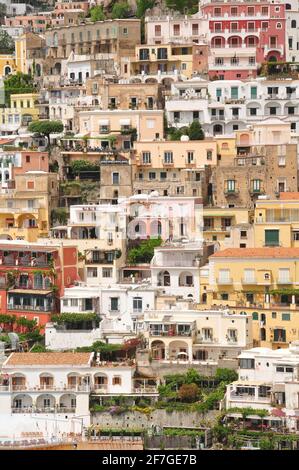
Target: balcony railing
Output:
[(30, 308)]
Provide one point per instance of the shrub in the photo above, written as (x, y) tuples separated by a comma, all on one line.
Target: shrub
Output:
[(189, 393)]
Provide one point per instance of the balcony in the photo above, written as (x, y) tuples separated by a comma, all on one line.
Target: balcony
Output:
[(224, 281), (231, 192), (248, 281)]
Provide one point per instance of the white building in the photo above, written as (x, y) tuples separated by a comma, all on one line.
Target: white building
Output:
[(267, 379), (292, 31), (175, 268), (49, 392), (224, 106), (177, 28), (193, 337)]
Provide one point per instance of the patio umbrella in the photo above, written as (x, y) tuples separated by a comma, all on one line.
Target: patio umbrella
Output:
[(182, 354)]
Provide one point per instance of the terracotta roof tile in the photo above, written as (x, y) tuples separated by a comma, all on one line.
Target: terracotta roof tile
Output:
[(52, 358), (289, 196), (267, 252)]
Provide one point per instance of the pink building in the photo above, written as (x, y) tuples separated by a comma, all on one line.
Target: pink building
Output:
[(35, 24), (243, 35)]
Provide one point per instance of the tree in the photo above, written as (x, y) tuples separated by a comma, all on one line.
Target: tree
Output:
[(192, 377), (142, 6), (2, 12), (184, 6), (120, 10), (83, 165), (189, 393), (46, 128), (7, 45), (97, 13), (18, 83), (144, 252), (195, 131), (226, 375)]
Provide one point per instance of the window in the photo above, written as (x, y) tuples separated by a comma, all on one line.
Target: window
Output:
[(137, 304), (234, 92), (157, 30), (224, 275), (283, 275), (152, 175), (249, 275), (255, 316), (247, 363), (168, 157), (278, 25), (256, 186), (115, 178), (27, 158), (209, 154), (293, 24), (114, 304), (250, 11), (116, 380), (190, 157), (224, 296), (286, 316), (176, 115), (65, 302), (163, 175), (195, 115), (272, 111), (106, 272), (253, 92), (279, 369), (265, 26), (251, 60), (274, 315), (271, 237), (231, 186), (146, 157), (92, 272), (125, 31), (150, 123), (74, 302), (176, 30), (234, 11)]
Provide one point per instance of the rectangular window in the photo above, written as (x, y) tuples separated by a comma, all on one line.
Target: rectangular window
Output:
[(190, 157), (115, 178), (168, 157), (256, 186), (114, 304), (116, 380), (30, 184), (234, 92), (247, 364), (231, 186), (253, 92), (283, 275), (152, 175), (137, 304), (146, 157), (224, 275), (106, 272), (163, 175), (157, 30), (176, 30), (92, 272), (249, 275), (286, 316), (271, 237), (74, 302)]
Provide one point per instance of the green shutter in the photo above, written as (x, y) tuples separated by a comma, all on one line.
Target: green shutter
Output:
[(272, 237), (255, 316)]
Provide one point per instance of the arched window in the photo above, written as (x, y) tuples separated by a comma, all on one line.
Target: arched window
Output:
[(293, 24), (7, 70)]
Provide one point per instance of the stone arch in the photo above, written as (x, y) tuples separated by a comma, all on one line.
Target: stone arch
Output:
[(158, 350)]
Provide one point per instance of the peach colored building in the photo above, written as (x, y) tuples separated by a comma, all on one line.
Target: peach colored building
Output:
[(96, 123)]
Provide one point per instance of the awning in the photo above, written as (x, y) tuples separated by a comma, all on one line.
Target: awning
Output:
[(30, 291), (104, 122), (125, 122)]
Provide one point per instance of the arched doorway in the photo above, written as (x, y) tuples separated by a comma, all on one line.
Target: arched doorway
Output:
[(158, 350)]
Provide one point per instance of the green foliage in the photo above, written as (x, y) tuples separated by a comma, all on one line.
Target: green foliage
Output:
[(144, 252), (189, 393), (74, 318), (194, 132), (99, 346), (183, 6), (248, 411), (7, 45), (192, 377), (183, 432), (18, 83), (46, 127), (212, 400), (142, 6), (60, 214), (83, 165), (226, 375), (120, 10), (97, 13), (7, 319), (166, 391), (39, 348)]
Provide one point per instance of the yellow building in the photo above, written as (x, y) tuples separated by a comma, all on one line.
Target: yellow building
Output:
[(261, 282), (25, 209), (230, 227), (21, 112), (163, 59), (226, 149), (276, 221), (8, 64)]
